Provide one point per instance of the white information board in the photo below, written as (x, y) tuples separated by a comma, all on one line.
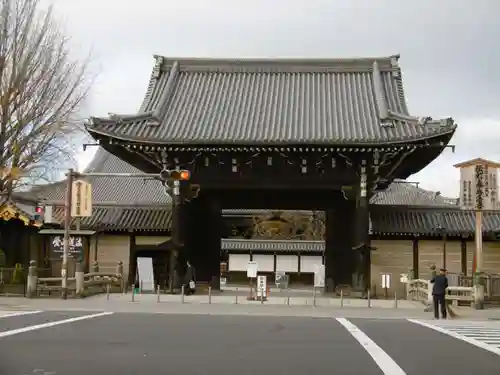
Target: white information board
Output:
[(386, 280), (252, 268), (145, 274), (261, 286), (319, 276), (403, 278)]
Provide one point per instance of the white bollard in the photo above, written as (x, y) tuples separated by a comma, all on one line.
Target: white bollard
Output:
[(158, 293), (395, 300), (209, 295), (341, 298), (108, 287), (182, 294), (133, 293), (369, 299)]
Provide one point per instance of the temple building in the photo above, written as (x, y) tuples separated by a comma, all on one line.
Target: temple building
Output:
[(296, 163)]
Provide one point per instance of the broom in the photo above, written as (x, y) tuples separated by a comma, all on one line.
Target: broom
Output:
[(451, 313)]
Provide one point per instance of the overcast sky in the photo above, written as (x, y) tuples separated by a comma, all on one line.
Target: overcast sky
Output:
[(449, 49)]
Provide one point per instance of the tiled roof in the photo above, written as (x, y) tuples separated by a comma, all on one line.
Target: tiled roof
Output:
[(92, 222), (294, 101), (141, 219), (404, 193), (123, 190), (121, 218), (133, 191), (453, 222), (384, 220), (271, 246)]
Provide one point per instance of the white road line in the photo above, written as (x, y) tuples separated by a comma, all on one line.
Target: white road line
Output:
[(458, 336), (8, 314), (381, 358), (50, 324)]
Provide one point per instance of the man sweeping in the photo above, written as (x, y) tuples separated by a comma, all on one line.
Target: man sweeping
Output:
[(440, 282)]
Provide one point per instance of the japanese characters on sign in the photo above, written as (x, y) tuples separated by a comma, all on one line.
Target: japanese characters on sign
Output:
[(261, 286), (75, 246), (81, 199)]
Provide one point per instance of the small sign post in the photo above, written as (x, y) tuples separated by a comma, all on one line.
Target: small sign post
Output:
[(262, 287), (403, 278), (319, 276), (252, 269), (386, 283), (281, 280)]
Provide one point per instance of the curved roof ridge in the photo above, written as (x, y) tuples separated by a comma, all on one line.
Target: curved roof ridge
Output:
[(388, 116)]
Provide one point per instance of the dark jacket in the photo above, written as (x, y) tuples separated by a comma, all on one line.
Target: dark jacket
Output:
[(190, 275), (440, 284)]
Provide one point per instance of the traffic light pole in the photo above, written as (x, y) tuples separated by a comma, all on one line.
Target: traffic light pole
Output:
[(67, 226)]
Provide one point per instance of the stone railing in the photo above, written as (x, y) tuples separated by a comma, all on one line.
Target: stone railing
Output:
[(421, 290), (81, 285)]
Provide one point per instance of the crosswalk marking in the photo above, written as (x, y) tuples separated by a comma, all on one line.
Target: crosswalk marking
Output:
[(51, 324), (381, 358), (11, 313), (483, 335)]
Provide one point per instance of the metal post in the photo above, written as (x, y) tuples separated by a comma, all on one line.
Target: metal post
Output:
[(209, 295), (133, 294), (182, 294), (140, 285), (369, 299), (314, 296), (67, 227), (395, 300), (288, 297), (236, 299), (108, 288), (157, 293), (341, 298)]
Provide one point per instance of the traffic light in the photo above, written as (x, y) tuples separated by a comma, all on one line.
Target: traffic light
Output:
[(175, 175), (39, 211)]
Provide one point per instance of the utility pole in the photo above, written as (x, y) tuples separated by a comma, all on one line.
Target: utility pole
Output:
[(67, 226)]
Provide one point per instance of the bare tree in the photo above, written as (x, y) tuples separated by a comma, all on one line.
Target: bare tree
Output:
[(42, 87)]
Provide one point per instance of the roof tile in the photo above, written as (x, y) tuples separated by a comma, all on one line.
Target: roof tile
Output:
[(274, 101)]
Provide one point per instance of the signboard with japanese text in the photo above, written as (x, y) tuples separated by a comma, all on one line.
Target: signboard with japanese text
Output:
[(261, 286), (76, 244), (319, 276), (252, 268), (81, 199)]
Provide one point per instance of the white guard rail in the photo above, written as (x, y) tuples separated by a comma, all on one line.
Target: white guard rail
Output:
[(421, 290)]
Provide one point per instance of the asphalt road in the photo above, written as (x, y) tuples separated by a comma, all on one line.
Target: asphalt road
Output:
[(71, 343)]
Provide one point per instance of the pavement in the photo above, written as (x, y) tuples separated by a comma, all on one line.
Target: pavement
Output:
[(83, 342)]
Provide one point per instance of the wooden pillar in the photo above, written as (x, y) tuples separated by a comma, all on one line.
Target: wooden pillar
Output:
[(203, 238), (416, 257), (361, 238), (339, 256)]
